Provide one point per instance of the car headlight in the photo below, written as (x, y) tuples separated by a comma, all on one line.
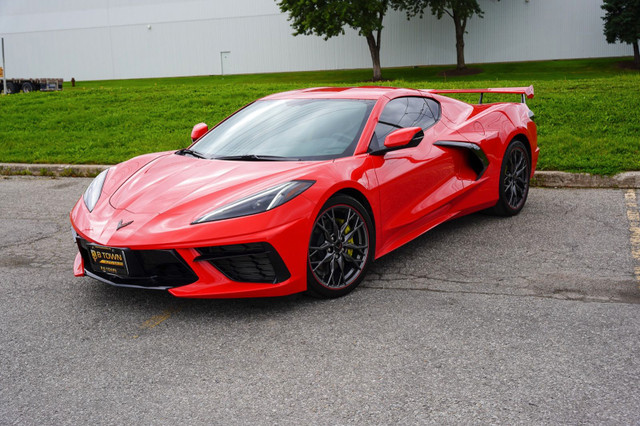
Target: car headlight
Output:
[(260, 202), (92, 194)]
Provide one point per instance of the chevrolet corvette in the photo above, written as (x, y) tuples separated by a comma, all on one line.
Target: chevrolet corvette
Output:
[(303, 190)]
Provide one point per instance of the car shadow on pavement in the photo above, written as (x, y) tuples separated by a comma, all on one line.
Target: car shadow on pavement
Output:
[(149, 302), (130, 299)]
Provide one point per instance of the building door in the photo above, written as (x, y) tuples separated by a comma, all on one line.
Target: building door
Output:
[(225, 62)]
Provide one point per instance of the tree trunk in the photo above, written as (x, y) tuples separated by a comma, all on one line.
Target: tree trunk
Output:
[(460, 28), (636, 54), (374, 48)]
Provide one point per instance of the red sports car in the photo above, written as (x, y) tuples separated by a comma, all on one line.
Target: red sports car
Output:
[(301, 191)]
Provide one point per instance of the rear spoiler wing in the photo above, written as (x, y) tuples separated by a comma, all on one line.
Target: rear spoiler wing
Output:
[(524, 92)]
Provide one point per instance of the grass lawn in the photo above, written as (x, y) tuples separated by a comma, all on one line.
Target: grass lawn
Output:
[(588, 111)]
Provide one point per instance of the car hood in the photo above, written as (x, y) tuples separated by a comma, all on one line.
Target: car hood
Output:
[(175, 182)]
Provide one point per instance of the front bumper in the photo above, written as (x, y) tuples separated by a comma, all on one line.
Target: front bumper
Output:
[(257, 263), (241, 270), (266, 261)]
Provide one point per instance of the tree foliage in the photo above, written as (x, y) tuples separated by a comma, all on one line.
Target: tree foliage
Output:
[(622, 23), (328, 18), (459, 10), (464, 9)]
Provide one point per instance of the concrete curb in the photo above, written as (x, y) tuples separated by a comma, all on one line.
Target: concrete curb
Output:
[(62, 170), (585, 180), (541, 178)]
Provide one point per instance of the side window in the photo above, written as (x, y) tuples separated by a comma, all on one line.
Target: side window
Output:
[(404, 112)]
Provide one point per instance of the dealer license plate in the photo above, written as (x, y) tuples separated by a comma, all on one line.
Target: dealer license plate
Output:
[(108, 260)]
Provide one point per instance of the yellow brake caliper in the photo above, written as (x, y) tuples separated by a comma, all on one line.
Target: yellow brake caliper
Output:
[(346, 231)]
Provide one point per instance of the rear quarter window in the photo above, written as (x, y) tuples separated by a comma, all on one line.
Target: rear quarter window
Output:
[(404, 112)]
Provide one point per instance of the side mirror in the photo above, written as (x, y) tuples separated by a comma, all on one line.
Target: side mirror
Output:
[(199, 130), (403, 137)]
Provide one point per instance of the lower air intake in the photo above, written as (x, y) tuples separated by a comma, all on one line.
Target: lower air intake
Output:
[(252, 262)]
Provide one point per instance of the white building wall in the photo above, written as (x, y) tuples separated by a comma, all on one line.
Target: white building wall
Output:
[(113, 39)]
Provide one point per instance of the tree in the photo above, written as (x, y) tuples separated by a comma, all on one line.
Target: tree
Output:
[(459, 10), (622, 23), (328, 18)]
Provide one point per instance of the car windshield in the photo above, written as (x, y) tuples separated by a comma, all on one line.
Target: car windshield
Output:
[(289, 129)]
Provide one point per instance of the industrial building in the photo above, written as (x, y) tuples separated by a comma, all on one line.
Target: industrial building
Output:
[(116, 39)]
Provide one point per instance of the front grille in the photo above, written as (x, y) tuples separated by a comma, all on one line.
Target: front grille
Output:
[(147, 268), (252, 262)]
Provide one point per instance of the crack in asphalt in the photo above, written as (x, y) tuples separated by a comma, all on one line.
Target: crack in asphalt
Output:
[(529, 279), (530, 284), (418, 277), (30, 241), (486, 293), (55, 229), (601, 221)]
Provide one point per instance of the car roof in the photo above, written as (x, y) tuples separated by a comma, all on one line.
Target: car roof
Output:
[(363, 92)]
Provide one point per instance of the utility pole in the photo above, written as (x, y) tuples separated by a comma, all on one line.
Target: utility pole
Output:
[(4, 73)]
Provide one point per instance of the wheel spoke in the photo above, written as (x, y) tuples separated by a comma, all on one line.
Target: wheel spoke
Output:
[(333, 270), (354, 247), (341, 278), (322, 247), (512, 164), (352, 261), (334, 224), (353, 231), (321, 262), (327, 234), (345, 225), (519, 161)]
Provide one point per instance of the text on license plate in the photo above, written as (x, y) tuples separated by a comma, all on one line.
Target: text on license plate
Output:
[(108, 260)]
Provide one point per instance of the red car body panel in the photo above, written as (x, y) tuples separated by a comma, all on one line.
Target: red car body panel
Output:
[(408, 191)]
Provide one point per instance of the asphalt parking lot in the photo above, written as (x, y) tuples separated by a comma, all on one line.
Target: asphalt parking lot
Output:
[(531, 319)]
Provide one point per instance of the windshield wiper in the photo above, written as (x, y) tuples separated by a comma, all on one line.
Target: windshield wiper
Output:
[(255, 157), (191, 152)]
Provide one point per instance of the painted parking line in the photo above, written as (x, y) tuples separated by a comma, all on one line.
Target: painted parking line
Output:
[(156, 320), (633, 216)]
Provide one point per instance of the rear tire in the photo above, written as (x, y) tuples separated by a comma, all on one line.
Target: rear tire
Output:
[(341, 248), (27, 87), (514, 180)]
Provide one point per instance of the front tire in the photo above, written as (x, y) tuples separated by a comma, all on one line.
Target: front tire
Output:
[(514, 180), (341, 248)]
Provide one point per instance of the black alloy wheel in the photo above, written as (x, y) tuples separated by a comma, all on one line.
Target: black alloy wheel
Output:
[(514, 179), (341, 248)]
